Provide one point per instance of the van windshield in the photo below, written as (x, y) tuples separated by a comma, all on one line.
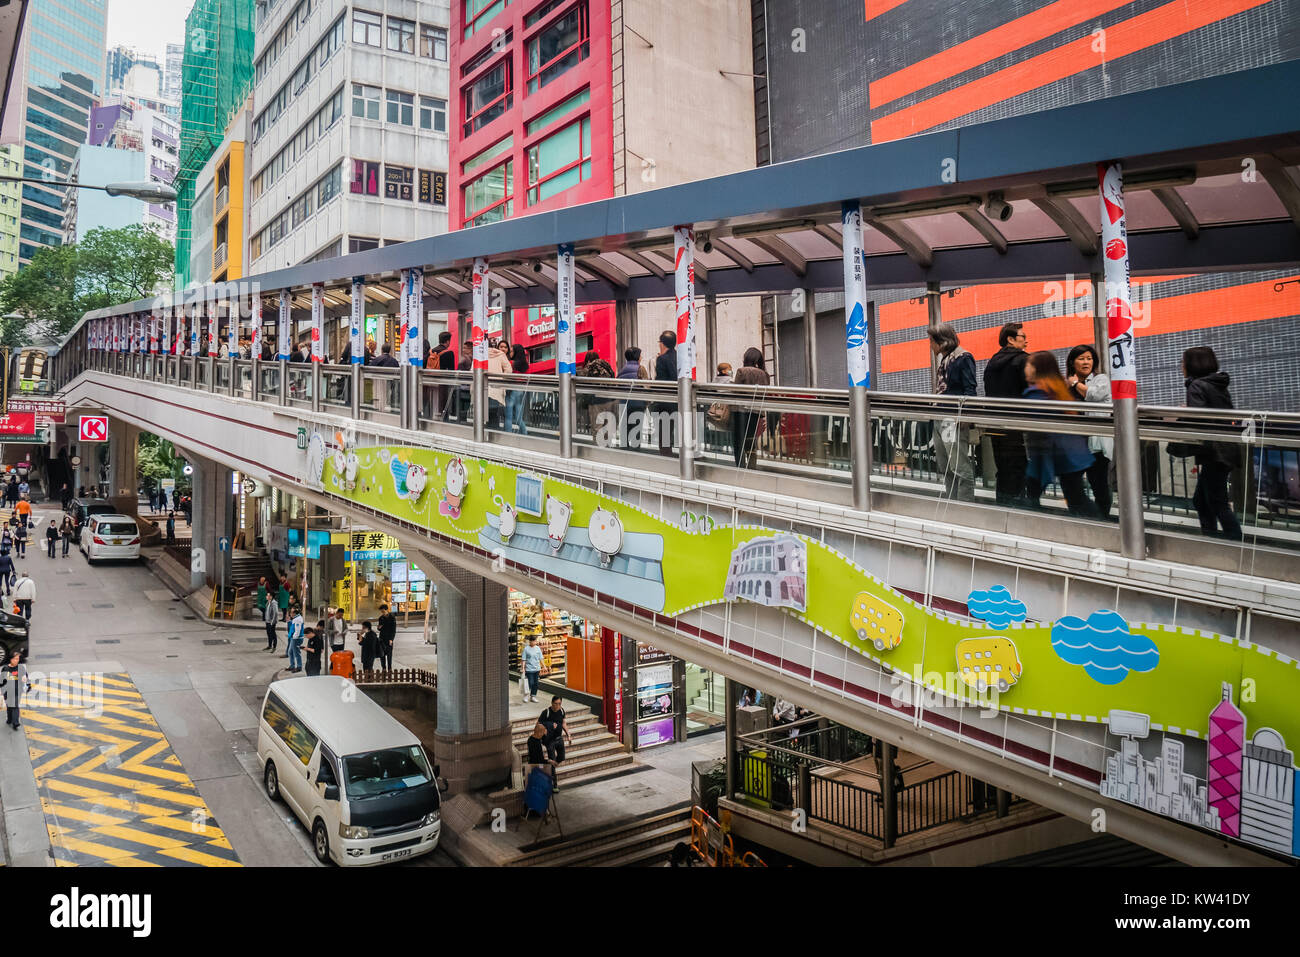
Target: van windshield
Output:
[(385, 772), (117, 528)]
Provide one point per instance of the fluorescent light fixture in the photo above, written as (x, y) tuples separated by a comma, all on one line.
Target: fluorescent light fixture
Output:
[(958, 204), (1151, 179)]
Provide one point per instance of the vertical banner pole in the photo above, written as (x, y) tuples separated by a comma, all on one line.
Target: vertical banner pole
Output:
[(357, 322), (684, 284), (284, 331), (195, 323), (255, 333), (317, 322), (858, 350), (478, 339), (414, 342), (565, 344), (1123, 367)]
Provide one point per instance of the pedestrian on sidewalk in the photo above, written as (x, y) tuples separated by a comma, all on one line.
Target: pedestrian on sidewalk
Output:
[(65, 495), (337, 625), (51, 536), (315, 645), (293, 649), (537, 756), (261, 601), (7, 572), (171, 528), (24, 595), (66, 530), (387, 636), (15, 682), (369, 646), (270, 616), (532, 667), (282, 599), (20, 536)]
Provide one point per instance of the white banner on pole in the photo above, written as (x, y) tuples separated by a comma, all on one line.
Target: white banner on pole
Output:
[(284, 333), (255, 339), (195, 329), (167, 331), (403, 316), (856, 343), (356, 326), (565, 344), (1115, 263), (317, 322), (478, 337), (414, 342)]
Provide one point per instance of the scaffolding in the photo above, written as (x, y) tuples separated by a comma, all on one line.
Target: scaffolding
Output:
[(216, 76)]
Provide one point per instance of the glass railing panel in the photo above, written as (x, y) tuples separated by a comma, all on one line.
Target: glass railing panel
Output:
[(524, 404), (381, 390)]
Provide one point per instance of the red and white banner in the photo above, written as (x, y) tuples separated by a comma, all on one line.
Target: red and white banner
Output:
[(480, 297), (317, 322), (18, 423), (684, 281), (47, 411), (1119, 302)]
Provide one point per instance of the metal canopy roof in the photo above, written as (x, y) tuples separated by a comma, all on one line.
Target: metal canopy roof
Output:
[(1210, 177)]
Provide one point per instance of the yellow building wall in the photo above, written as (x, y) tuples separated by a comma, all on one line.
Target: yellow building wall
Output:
[(234, 214)]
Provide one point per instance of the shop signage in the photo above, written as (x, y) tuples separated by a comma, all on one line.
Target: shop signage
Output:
[(93, 428), (547, 324), (433, 187), (650, 733), (18, 423), (48, 411), (646, 654), (397, 182)]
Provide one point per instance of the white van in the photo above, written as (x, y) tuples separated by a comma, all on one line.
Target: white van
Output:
[(358, 780)]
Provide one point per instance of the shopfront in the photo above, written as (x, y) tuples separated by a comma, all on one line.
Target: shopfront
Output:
[(375, 572)]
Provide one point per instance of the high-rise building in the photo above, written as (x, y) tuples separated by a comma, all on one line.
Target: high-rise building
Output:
[(64, 53), (838, 74), (121, 61), (349, 135), (123, 124), (217, 71), (10, 207), (559, 102), (172, 71)]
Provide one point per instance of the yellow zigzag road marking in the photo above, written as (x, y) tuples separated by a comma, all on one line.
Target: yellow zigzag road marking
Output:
[(44, 769), (138, 836), (198, 857), (78, 814), (183, 822), (103, 851), (113, 724), (108, 800)]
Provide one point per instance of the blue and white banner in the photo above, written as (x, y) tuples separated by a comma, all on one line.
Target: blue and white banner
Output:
[(284, 334), (196, 324), (565, 343), (413, 344), (855, 296), (166, 344), (356, 325), (232, 329)]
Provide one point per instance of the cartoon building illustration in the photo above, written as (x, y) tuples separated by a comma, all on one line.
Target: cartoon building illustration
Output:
[(1268, 792), (1160, 786), (1227, 741), (770, 571)]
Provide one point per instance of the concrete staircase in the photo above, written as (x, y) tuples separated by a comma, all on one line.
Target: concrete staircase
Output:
[(697, 693), (641, 842), (594, 754)]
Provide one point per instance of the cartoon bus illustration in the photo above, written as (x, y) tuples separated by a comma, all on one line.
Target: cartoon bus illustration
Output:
[(876, 621), (989, 661)]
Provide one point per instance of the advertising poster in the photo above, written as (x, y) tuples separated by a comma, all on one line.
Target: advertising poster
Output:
[(651, 733)]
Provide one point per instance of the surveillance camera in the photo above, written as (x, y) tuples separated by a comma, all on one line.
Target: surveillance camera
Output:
[(537, 267), (995, 207), (708, 246)]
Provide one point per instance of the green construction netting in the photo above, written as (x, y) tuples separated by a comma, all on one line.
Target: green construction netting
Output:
[(216, 76)]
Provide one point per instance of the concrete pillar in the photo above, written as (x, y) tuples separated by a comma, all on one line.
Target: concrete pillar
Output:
[(213, 518), (123, 469), (472, 744)]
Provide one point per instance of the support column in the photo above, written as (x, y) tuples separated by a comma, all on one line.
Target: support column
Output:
[(684, 282), (1122, 360), (213, 518), (123, 469), (859, 350), (934, 316), (472, 744), (729, 695), (480, 346), (625, 327), (888, 795)]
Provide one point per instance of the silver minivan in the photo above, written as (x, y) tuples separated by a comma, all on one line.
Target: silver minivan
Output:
[(357, 779)]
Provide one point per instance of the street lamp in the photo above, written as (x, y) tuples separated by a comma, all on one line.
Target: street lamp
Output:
[(148, 192)]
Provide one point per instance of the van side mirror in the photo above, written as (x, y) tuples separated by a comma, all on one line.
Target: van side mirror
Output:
[(331, 792)]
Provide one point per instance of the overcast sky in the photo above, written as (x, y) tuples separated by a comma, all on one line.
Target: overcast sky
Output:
[(147, 25)]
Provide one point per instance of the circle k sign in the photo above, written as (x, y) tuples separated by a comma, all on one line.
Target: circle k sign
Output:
[(94, 428)]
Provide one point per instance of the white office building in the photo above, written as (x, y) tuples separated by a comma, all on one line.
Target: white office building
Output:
[(349, 144)]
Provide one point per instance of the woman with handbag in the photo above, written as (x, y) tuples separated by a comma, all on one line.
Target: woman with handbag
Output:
[(14, 681), (745, 422), (1207, 388), (1089, 384)]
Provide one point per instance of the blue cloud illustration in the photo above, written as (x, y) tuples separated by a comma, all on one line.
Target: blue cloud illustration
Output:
[(1104, 646), (996, 606), (399, 470)]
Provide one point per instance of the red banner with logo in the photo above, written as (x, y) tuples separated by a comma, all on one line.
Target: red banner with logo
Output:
[(18, 423)]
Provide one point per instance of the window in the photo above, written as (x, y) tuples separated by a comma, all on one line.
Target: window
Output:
[(329, 186), (366, 28), (479, 12), (560, 161), (558, 48), (295, 735), (301, 209), (557, 112), (401, 108), (359, 244), (365, 177), (488, 198), (309, 67), (486, 157), (401, 35), (433, 114), (489, 96), (399, 182), (433, 42), (329, 114), (365, 101), (538, 15)]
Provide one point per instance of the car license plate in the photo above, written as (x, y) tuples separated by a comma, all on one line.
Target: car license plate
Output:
[(117, 541), (395, 855)]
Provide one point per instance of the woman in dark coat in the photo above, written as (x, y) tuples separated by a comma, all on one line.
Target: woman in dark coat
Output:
[(1207, 388), (14, 682), (745, 421), (1058, 455)]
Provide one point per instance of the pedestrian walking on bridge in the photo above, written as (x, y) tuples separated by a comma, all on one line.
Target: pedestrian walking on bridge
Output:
[(24, 595), (67, 530), (51, 537)]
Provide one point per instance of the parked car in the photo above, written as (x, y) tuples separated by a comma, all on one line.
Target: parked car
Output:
[(13, 633), (82, 508), (110, 537)]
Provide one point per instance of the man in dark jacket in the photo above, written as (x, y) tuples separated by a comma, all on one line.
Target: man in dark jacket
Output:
[(1207, 388), (666, 371), (387, 636), (1004, 378), (315, 645), (386, 359)]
